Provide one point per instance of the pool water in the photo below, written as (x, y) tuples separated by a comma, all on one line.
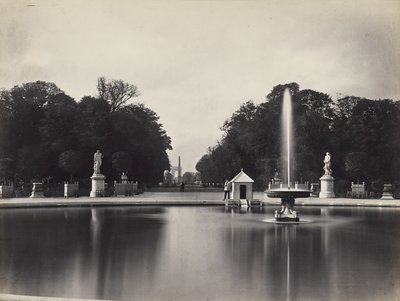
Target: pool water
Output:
[(200, 253)]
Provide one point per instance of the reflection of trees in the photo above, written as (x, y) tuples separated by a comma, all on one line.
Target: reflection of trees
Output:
[(346, 254), (127, 249), (329, 259), (41, 246), (78, 252)]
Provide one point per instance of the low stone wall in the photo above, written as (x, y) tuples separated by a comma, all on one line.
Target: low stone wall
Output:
[(6, 191), (71, 190), (125, 189), (188, 188)]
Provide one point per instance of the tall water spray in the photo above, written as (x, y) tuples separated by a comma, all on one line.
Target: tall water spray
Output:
[(287, 195), (287, 129)]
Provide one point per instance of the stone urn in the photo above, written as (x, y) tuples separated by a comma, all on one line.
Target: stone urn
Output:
[(387, 193)]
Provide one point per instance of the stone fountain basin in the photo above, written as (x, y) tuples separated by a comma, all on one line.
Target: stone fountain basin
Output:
[(284, 192)]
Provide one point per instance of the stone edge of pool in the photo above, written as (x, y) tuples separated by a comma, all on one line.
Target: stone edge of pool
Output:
[(137, 201), (11, 297)]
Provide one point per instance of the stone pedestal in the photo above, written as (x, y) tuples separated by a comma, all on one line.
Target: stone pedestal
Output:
[(387, 192), (287, 214), (98, 186), (37, 190), (327, 187)]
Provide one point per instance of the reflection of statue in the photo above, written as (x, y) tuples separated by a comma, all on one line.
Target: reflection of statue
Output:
[(97, 162), (327, 166)]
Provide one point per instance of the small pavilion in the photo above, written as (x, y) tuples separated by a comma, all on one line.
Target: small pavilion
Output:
[(242, 188)]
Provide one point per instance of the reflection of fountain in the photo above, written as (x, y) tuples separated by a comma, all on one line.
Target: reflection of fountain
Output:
[(288, 239), (287, 194)]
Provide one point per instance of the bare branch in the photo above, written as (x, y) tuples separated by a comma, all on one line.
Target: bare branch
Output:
[(116, 91)]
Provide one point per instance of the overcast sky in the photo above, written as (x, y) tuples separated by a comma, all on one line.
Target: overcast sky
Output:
[(195, 62)]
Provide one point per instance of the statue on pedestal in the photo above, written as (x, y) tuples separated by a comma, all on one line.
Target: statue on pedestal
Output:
[(124, 178), (167, 178), (327, 166), (327, 181), (97, 158), (98, 185)]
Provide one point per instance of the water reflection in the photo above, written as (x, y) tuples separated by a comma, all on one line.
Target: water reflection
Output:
[(77, 253), (198, 253), (243, 209), (328, 258)]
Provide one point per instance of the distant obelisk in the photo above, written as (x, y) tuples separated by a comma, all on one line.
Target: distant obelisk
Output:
[(179, 170)]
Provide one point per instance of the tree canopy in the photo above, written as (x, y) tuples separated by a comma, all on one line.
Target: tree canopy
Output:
[(345, 127), (44, 133), (116, 91)]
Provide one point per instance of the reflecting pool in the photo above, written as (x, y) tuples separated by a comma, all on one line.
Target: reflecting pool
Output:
[(200, 253)]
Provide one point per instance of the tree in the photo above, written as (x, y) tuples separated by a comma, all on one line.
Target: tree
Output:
[(137, 131), (373, 129), (313, 119), (252, 138), (188, 178), (116, 92), (58, 125), (37, 93), (276, 94), (34, 162), (47, 133), (23, 111), (94, 127), (121, 161), (344, 106), (5, 123), (356, 164), (203, 168), (7, 166), (70, 161)]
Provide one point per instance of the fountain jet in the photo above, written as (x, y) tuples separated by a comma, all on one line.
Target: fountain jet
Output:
[(287, 127), (286, 193)]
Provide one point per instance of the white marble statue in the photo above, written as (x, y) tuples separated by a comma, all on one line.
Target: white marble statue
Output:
[(97, 158), (327, 166), (167, 177)]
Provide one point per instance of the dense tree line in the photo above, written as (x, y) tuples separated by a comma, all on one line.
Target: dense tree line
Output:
[(44, 133), (363, 136)]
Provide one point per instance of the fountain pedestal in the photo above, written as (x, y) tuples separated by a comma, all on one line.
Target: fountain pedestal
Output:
[(287, 196), (327, 187), (286, 214)]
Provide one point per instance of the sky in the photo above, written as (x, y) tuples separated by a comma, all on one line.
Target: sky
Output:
[(196, 62)]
